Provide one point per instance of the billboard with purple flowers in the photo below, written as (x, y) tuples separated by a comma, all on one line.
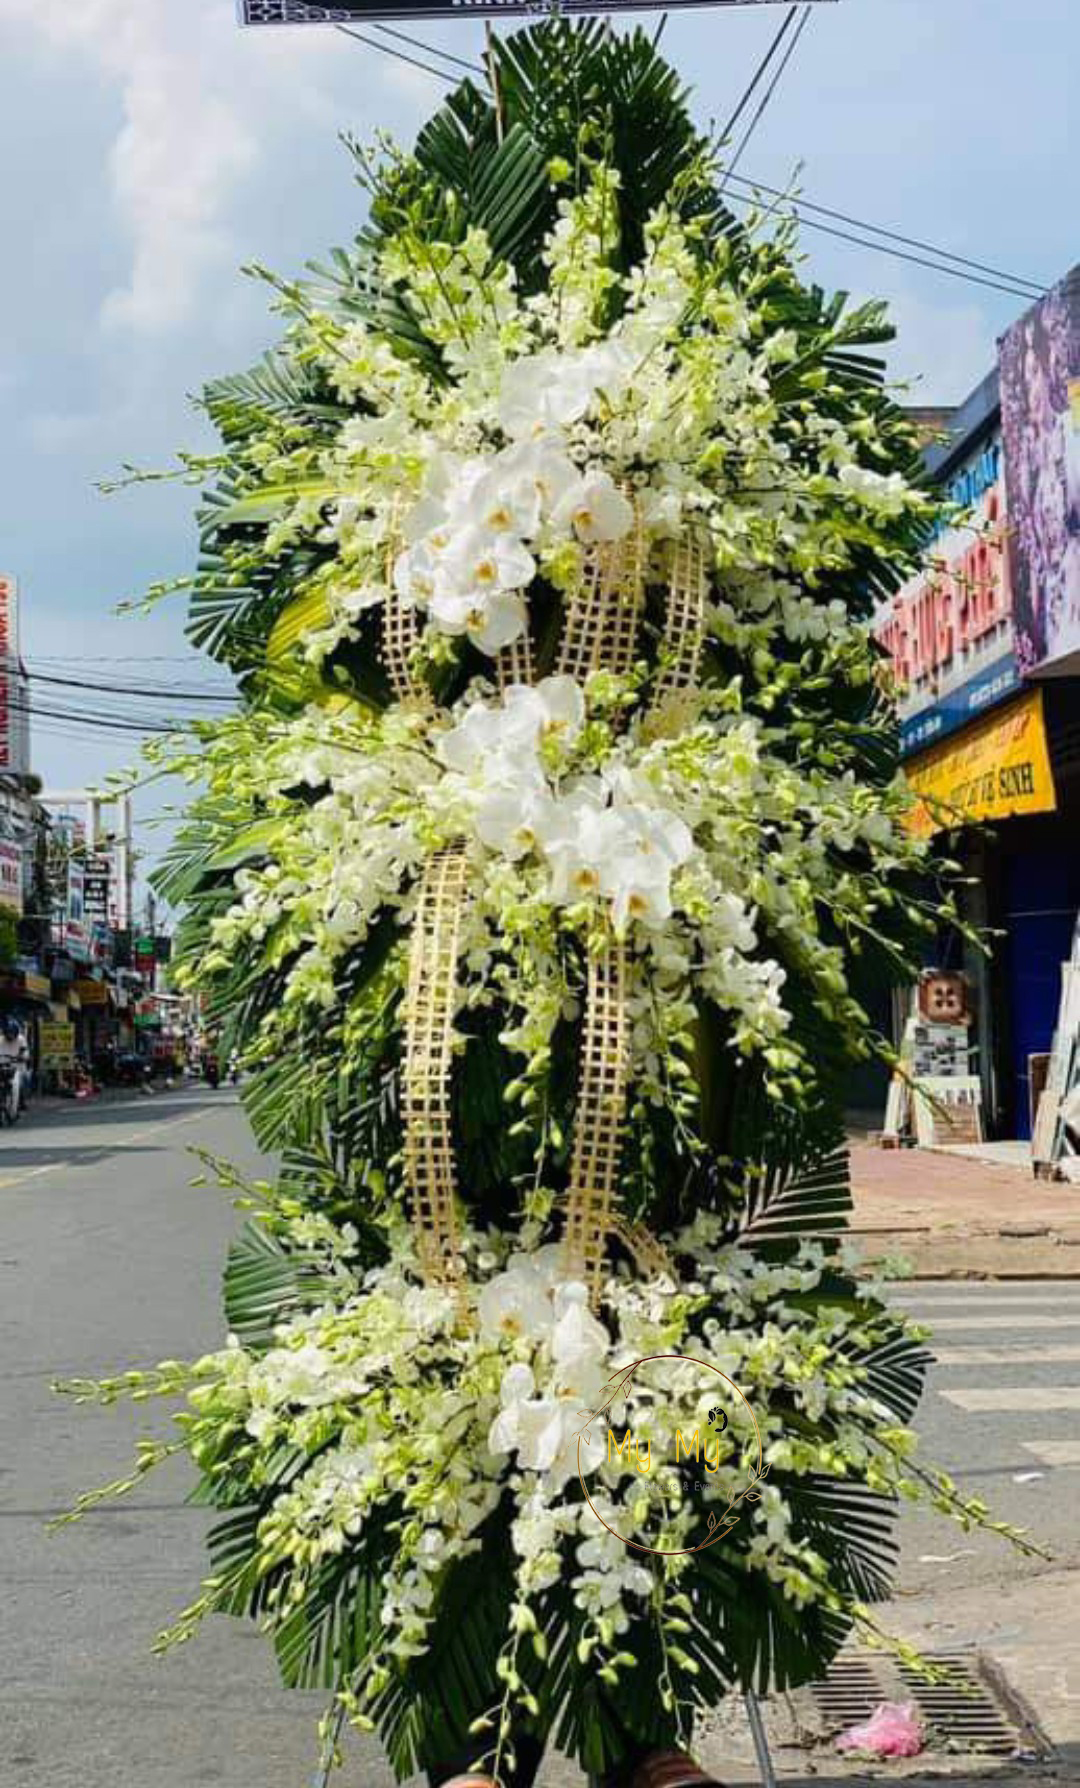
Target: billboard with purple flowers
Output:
[(1040, 415)]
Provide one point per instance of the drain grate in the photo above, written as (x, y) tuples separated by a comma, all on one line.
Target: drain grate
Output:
[(971, 1711), (961, 1711)]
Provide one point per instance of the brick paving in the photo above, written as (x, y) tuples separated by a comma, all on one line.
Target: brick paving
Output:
[(952, 1216)]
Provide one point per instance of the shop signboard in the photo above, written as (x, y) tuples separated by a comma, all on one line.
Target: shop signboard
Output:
[(11, 873), (344, 12), (998, 768), (92, 993), (1040, 416), (14, 699), (57, 1044), (145, 957), (97, 881), (949, 632), (76, 936)]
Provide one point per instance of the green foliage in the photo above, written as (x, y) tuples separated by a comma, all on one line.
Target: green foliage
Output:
[(9, 937), (737, 1140)]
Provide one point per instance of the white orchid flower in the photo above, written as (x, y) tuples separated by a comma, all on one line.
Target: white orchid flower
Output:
[(513, 820), (579, 1344), (594, 509), (532, 476), (516, 1303), (544, 391), (490, 622), (487, 741), (571, 844), (553, 708), (481, 563), (532, 1427), (414, 574), (640, 847)]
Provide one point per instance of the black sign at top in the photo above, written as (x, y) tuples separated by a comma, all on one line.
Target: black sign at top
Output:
[(308, 12)]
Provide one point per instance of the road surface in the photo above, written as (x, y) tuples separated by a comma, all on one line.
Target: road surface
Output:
[(109, 1257)]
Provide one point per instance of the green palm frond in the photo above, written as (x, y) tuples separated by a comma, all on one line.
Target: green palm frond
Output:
[(770, 1645), (851, 1527), (277, 389), (811, 1201), (264, 1285)]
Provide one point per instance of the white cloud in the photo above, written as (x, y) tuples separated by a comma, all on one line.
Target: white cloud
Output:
[(944, 349), (198, 98)]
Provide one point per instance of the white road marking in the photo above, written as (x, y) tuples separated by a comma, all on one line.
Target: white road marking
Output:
[(1050, 1354), (104, 1148), (1029, 1398), (1040, 1299), (941, 1323), (1054, 1452)]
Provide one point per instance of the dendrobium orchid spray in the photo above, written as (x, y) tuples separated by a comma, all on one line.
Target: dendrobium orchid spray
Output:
[(536, 880)]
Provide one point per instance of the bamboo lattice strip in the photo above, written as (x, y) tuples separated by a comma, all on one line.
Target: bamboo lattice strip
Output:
[(400, 633), (601, 626), (649, 1255), (429, 1014), (400, 637), (684, 619), (514, 664), (601, 1112)]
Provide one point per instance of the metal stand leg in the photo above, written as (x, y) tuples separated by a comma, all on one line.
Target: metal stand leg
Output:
[(761, 1743)]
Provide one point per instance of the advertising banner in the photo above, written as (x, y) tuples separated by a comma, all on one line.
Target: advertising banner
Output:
[(92, 993), (1040, 417), (306, 12), (97, 880), (11, 893), (998, 768), (14, 699), (950, 632), (57, 1045)]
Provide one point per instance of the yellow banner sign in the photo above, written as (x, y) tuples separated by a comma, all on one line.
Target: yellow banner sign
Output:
[(92, 993), (57, 1045), (996, 768)]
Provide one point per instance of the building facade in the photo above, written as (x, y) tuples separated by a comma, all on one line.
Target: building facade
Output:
[(985, 644)]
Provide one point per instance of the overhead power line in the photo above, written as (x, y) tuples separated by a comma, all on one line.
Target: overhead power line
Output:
[(792, 46), (860, 223), (898, 254), (373, 43), (759, 74), (431, 48), (141, 690)]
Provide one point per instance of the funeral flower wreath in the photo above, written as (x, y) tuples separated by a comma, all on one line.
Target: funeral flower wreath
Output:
[(544, 550)]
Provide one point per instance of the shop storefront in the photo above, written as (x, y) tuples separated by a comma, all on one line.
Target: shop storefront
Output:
[(986, 643)]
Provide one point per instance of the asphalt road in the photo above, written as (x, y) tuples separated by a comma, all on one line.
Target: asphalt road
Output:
[(109, 1257)]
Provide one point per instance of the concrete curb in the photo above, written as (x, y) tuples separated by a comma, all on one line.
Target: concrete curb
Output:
[(934, 1255)]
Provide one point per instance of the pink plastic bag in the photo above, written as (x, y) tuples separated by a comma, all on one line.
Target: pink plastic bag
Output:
[(891, 1731)]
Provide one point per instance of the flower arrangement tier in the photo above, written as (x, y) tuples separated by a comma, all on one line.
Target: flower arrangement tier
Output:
[(537, 881)]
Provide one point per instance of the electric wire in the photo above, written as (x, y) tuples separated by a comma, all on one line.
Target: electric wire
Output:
[(142, 690), (440, 74), (769, 91), (432, 49), (898, 254), (861, 223), (758, 75)]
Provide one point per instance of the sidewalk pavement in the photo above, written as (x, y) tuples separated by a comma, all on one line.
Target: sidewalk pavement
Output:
[(951, 1216)]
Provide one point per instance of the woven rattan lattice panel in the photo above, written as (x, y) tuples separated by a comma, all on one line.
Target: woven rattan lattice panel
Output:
[(601, 626), (603, 1083), (429, 1018), (684, 620)]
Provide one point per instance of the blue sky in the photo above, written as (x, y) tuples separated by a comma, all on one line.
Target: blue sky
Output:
[(151, 147)]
